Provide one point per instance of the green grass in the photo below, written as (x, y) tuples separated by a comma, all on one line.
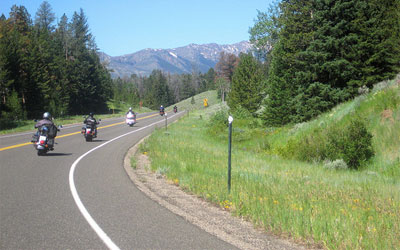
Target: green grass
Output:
[(344, 209), (133, 162), (186, 104)]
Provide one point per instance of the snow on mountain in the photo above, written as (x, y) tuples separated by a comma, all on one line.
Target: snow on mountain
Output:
[(175, 61)]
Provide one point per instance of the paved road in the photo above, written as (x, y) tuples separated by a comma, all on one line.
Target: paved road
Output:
[(38, 209)]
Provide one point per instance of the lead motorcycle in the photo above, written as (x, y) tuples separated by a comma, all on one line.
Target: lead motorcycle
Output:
[(42, 141)]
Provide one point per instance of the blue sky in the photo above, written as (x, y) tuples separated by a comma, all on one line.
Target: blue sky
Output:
[(126, 26)]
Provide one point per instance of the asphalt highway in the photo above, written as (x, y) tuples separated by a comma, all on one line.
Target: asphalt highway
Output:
[(80, 197)]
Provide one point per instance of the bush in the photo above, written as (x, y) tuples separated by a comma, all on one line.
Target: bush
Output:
[(218, 122), (309, 148), (353, 144), (335, 165), (242, 113)]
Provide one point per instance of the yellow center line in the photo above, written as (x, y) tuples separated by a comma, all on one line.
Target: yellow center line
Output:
[(74, 133)]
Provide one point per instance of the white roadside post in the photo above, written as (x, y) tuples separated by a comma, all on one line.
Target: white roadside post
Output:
[(230, 120)]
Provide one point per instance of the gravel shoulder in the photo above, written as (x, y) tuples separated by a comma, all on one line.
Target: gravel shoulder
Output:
[(199, 212)]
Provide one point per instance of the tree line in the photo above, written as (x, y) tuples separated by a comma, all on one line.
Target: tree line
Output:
[(313, 54), (161, 88), (48, 67)]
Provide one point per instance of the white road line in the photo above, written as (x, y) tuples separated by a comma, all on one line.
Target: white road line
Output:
[(103, 236)]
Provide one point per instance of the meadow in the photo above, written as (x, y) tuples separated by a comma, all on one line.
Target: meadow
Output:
[(291, 194)]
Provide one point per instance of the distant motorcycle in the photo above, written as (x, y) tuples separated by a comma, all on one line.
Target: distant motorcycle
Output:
[(89, 131), (130, 119), (175, 109), (162, 112)]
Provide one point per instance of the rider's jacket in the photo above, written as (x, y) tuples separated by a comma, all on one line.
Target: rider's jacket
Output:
[(52, 128), (90, 121)]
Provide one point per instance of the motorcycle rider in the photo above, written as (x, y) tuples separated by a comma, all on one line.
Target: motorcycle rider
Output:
[(52, 129), (175, 109), (90, 120), (131, 111), (162, 109)]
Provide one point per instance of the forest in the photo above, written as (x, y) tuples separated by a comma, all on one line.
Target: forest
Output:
[(56, 68), (318, 54), (49, 68)]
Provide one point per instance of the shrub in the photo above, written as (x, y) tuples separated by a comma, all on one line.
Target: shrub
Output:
[(336, 165), (218, 122), (308, 148), (353, 144), (242, 113)]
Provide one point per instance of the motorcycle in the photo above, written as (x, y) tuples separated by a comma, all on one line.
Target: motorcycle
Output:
[(175, 109), (41, 140), (130, 119), (89, 131), (162, 112)]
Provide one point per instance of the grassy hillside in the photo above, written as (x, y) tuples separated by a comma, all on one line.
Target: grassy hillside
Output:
[(197, 104), (280, 179)]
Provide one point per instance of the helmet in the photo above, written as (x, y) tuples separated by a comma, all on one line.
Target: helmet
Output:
[(91, 114), (161, 106), (130, 109), (47, 116)]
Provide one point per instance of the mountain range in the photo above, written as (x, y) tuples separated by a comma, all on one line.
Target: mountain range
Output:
[(175, 61)]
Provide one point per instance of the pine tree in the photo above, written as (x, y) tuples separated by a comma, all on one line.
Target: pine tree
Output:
[(18, 63), (44, 17), (248, 84), (296, 32)]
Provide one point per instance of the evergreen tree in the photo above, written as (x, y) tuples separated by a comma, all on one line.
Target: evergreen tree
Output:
[(187, 89), (248, 84), (280, 92), (91, 81), (45, 17), (209, 78), (18, 63), (63, 35), (157, 91), (295, 34)]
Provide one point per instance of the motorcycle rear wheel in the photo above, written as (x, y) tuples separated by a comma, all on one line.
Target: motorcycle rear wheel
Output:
[(41, 152)]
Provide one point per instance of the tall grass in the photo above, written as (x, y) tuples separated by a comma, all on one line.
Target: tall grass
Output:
[(344, 209)]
